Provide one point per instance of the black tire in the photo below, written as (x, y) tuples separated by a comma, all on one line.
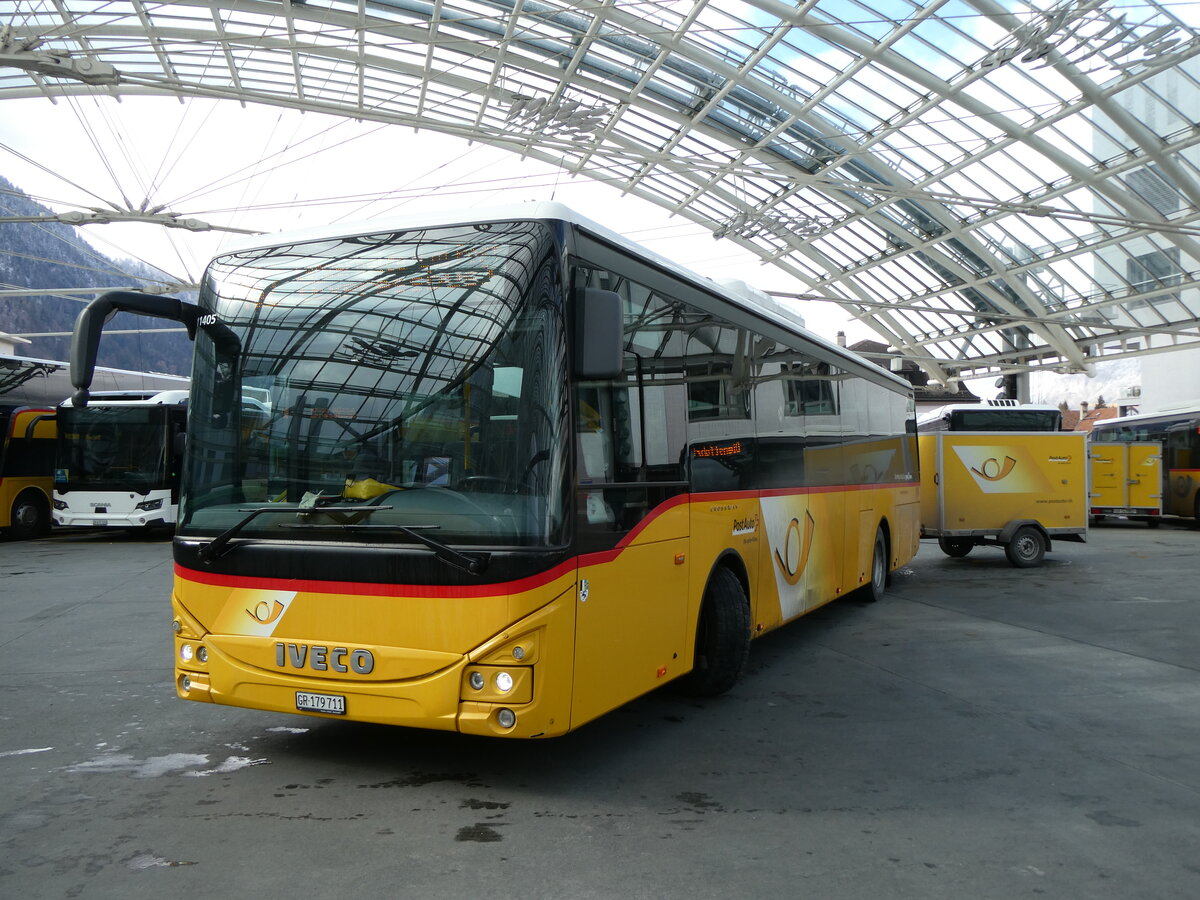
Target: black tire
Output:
[(722, 637), (1026, 548), (956, 547), (1152, 521), (873, 592), (30, 516)]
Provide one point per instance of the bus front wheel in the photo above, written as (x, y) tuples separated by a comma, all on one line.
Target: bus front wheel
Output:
[(30, 516), (1027, 548), (723, 636)]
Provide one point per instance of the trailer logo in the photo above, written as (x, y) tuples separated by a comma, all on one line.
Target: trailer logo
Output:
[(794, 558), (1003, 469), (993, 470)]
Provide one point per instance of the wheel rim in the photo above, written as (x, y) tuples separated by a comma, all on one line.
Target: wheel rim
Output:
[(25, 515), (1026, 547)]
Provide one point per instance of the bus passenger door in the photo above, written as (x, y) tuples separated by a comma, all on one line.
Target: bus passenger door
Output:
[(632, 537), (629, 622)]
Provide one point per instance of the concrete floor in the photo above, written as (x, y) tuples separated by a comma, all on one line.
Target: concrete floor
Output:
[(983, 732)]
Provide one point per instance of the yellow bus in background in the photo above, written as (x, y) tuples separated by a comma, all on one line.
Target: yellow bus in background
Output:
[(27, 435), (503, 473)]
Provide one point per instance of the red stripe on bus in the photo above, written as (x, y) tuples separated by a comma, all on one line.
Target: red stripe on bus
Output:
[(373, 589), (521, 585)]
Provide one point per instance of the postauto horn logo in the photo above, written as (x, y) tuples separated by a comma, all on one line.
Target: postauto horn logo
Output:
[(1002, 469)]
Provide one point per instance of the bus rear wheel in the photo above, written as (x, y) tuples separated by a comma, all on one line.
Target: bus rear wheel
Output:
[(873, 592), (30, 516), (1027, 548), (722, 638)]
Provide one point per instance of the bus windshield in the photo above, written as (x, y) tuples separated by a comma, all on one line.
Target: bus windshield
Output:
[(1005, 419), (112, 448), (369, 388)]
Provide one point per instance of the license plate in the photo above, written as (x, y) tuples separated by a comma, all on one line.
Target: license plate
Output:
[(334, 704)]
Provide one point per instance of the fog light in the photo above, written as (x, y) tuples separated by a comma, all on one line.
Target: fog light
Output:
[(506, 718), (202, 653), (476, 680), (504, 682), (186, 652), (185, 684)]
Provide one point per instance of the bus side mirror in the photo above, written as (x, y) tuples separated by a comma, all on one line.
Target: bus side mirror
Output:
[(85, 340), (599, 334)]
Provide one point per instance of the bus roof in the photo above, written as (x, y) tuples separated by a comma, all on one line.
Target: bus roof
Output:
[(990, 405), (736, 292), (1181, 412), (134, 398)]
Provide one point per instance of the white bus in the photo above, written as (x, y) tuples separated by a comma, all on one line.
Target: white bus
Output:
[(117, 459)]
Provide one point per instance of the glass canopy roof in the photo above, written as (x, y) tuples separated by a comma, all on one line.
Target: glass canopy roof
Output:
[(994, 187)]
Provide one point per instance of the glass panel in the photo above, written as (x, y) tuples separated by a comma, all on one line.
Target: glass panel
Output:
[(419, 374), (112, 448)]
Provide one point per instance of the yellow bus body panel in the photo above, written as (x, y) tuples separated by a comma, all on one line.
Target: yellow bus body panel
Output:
[(44, 427), (591, 635), (976, 484)]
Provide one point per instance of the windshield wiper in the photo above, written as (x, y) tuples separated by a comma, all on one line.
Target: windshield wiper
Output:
[(214, 548), (473, 564)]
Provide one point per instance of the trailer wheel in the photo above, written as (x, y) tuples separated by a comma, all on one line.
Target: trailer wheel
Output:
[(30, 516), (956, 547), (723, 637), (1027, 548)]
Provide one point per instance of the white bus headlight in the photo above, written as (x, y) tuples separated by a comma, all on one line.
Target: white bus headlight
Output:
[(504, 682)]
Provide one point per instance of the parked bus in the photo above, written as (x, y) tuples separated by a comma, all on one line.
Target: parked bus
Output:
[(117, 459), (991, 415), (26, 455), (30, 391), (1178, 431), (502, 474)]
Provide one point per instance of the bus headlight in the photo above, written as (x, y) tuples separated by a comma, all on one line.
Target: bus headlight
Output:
[(477, 680), (147, 505), (59, 504), (186, 652), (504, 682)]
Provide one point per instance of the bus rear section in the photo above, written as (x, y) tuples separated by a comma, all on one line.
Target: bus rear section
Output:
[(27, 436), (118, 460)]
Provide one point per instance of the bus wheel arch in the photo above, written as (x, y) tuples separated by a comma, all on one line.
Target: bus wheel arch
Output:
[(30, 515), (722, 632)]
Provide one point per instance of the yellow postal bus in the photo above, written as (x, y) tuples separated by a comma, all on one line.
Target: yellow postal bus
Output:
[(504, 473)]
